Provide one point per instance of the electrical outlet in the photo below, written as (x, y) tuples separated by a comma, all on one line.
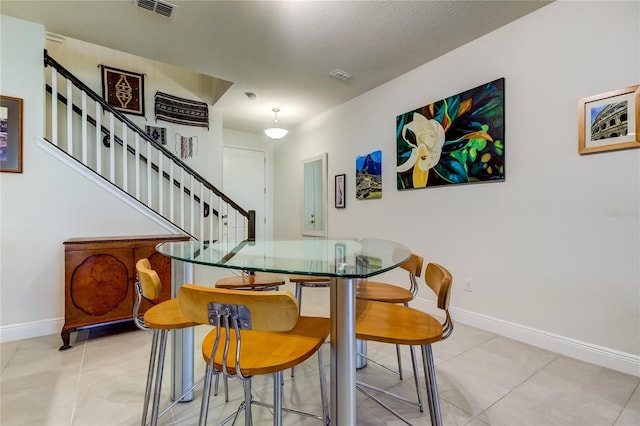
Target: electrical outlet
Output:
[(467, 285)]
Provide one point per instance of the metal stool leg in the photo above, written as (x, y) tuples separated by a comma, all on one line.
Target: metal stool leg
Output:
[(323, 389), (414, 363), (204, 407), (432, 386), (299, 299), (158, 385), (150, 373), (277, 398), (248, 417)]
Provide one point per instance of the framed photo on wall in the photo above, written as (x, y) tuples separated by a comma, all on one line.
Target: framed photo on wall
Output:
[(609, 121), (10, 134), (340, 194)]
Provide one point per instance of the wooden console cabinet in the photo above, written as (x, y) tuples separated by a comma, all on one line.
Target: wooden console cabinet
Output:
[(100, 275)]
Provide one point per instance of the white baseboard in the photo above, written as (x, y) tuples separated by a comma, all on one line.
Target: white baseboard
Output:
[(29, 330), (584, 351)]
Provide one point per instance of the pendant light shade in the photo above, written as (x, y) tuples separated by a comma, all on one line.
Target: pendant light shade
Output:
[(276, 132)]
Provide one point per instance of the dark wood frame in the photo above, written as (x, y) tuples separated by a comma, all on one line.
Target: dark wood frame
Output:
[(340, 181), (586, 145), (134, 79), (13, 134)]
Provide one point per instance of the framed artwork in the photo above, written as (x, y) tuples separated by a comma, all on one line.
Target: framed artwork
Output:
[(10, 134), (123, 90), (340, 194), (609, 121), (158, 134), (456, 140), (369, 176)]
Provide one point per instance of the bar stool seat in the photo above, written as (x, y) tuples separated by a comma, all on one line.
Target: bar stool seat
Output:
[(251, 282), (383, 292), (302, 281)]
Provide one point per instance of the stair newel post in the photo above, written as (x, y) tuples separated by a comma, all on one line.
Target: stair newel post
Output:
[(251, 234)]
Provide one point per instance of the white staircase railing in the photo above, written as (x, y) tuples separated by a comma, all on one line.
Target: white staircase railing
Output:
[(81, 124)]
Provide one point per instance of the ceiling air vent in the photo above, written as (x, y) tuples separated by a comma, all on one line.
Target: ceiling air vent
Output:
[(340, 74), (159, 7)]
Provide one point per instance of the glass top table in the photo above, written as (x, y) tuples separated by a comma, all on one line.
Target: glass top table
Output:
[(343, 260)]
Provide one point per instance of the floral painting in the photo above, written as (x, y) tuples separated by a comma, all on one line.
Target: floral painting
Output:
[(369, 176), (459, 139)]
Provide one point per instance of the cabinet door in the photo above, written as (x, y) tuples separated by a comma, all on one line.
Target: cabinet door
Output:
[(162, 265), (99, 286)]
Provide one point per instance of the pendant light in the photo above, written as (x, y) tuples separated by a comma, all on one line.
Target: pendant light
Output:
[(276, 132)]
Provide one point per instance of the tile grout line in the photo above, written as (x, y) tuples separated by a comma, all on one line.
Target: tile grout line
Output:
[(627, 403), (75, 399), (557, 355)]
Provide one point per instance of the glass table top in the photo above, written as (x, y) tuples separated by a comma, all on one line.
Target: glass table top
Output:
[(347, 258)]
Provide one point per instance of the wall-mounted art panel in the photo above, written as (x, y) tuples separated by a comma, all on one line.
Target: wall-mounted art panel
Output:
[(369, 176), (456, 140)]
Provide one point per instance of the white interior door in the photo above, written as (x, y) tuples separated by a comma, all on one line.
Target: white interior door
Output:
[(244, 181)]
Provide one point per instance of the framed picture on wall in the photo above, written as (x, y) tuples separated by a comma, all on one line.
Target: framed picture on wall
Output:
[(10, 134), (340, 194), (123, 90), (609, 121)]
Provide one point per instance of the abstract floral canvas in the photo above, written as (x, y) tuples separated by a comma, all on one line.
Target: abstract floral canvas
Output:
[(456, 140)]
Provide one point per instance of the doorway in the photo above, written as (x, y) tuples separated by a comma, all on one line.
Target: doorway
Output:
[(244, 181)]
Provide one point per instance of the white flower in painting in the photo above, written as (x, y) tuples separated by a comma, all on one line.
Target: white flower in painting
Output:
[(425, 154)]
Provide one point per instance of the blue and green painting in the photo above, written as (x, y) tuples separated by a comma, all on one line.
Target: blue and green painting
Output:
[(456, 140), (369, 176)]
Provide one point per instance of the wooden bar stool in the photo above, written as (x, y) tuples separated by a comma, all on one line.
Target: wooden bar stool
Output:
[(402, 325), (160, 318), (255, 333), (246, 281), (392, 293)]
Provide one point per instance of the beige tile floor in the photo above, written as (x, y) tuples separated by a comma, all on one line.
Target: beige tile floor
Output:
[(483, 379)]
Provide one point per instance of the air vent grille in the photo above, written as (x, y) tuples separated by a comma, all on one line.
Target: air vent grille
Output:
[(340, 74), (159, 7), (164, 9)]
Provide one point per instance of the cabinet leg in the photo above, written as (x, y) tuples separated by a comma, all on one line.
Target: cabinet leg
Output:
[(66, 338)]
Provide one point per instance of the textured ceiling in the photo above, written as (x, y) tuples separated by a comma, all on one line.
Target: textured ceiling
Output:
[(281, 50)]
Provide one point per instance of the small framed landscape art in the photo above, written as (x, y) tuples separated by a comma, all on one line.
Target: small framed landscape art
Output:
[(10, 134), (456, 140), (609, 121), (369, 176), (340, 195)]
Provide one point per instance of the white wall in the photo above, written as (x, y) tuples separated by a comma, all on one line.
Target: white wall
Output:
[(554, 251)]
